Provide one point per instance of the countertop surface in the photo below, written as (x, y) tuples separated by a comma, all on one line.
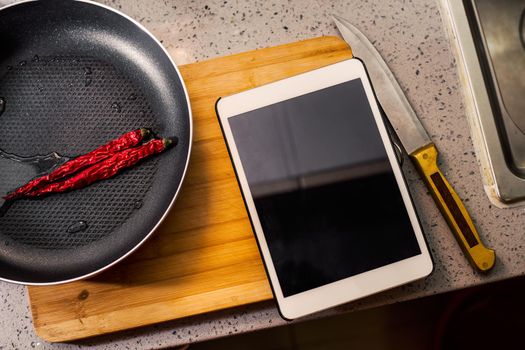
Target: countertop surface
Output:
[(411, 37)]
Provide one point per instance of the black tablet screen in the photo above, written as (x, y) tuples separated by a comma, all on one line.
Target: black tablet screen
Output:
[(323, 187)]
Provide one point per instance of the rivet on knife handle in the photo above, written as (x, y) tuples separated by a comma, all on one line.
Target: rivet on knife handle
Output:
[(452, 208)]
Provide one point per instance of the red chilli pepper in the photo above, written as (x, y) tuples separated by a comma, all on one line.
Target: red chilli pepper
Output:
[(128, 140), (104, 169)]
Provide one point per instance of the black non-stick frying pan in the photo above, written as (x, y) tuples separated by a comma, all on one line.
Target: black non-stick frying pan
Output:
[(75, 75)]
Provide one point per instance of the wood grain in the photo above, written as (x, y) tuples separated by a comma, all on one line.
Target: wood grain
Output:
[(204, 256)]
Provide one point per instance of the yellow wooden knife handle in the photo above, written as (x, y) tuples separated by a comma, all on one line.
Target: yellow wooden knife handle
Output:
[(452, 209)]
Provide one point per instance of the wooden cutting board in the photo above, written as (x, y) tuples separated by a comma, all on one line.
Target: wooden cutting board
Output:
[(204, 256)]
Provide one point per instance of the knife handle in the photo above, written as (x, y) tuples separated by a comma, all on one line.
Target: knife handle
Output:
[(452, 209)]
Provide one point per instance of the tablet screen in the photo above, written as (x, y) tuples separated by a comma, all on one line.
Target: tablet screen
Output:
[(323, 187)]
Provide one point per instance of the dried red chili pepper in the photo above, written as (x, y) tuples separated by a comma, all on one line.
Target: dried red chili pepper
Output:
[(104, 169), (130, 139)]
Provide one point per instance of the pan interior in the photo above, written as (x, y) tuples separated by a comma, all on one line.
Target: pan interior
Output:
[(73, 77)]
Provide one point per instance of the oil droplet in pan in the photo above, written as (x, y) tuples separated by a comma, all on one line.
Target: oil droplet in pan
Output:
[(137, 204), (116, 107), (2, 105), (41, 163), (88, 81), (77, 227)]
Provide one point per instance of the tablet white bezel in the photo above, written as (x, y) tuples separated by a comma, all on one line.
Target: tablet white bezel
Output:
[(350, 288)]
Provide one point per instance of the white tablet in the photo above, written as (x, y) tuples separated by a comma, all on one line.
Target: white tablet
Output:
[(325, 193)]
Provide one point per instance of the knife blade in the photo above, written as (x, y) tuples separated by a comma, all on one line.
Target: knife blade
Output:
[(418, 145)]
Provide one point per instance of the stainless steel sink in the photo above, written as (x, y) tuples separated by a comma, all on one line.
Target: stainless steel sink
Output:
[(489, 37)]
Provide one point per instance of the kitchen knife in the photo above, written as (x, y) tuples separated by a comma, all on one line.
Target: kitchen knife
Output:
[(418, 145)]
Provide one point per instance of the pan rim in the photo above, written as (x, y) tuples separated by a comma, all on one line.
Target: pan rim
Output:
[(168, 208)]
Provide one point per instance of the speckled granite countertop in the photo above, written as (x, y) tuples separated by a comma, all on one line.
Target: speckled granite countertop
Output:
[(410, 35)]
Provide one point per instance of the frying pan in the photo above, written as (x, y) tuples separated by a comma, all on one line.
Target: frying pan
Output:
[(75, 75)]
